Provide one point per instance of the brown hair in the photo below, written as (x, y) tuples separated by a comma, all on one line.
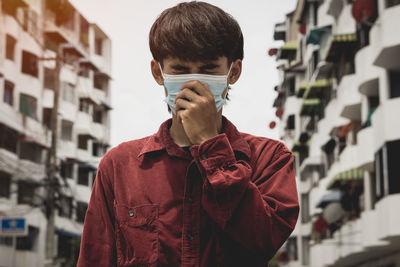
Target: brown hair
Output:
[(196, 31)]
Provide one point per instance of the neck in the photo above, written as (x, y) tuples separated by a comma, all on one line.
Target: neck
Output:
[(178, 133)]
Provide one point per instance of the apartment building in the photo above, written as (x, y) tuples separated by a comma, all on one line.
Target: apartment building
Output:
[(338, 103), (32, 32)]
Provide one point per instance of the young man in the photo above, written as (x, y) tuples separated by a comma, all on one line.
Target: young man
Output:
[(198, 192)]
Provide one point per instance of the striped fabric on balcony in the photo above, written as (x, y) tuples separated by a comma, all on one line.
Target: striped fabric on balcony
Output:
[(287, 49), (316, 86), (354, 174), (340, 43), (310, 106)]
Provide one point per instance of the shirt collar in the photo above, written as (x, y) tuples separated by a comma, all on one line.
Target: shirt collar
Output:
[(163, 140)]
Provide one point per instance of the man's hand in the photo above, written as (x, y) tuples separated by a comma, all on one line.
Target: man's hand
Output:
[(196, 110)]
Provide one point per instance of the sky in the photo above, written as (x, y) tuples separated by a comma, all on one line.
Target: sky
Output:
[(137, 100)]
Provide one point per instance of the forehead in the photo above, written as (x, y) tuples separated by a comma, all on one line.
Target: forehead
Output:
[(221, 61)]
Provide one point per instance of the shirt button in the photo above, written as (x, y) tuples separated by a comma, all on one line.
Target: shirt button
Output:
[(130, 213), (203, 156), (191, 200), (190, 237)]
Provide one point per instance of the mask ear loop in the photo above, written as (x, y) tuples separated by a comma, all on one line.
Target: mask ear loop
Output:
[(162, 73), (229, 72), (227, 86)]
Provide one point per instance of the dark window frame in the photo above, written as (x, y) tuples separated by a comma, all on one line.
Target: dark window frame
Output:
[(11, 44), (30, 64), (8, 96)]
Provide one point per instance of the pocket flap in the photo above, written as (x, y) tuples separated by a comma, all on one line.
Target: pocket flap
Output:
[(136, 215)]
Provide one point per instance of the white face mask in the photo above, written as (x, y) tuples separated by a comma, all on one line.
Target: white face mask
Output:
[(216, 84)]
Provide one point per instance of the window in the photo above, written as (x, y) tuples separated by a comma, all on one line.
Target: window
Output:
[(68, 247), (312, 63), (98, 46), (394, 78), (387, 169), (83, 176), (8, 93), (10, 47), (84, 106), (291, 248), (100, 81), (65, 207), (84, 32), (315, 13), (98, 149), (29, 21), (67, 169), (30, 64), (68, 92), (28, 105), (31, 151), (98, 116), (81, 211), (49, 78), (379, 174), (47, 117), (84, 71), (393, 167), (28, 242), (26, 193), (83, 142), (8, 138), (329, 149), (391, 3), (290, 122), (6, 241), (66, 130), (5, 182)]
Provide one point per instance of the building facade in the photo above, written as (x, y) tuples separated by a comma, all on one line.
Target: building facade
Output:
[(32, 34), (338, 102)]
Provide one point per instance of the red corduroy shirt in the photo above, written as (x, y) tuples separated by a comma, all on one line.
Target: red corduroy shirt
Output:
[(231, 201)]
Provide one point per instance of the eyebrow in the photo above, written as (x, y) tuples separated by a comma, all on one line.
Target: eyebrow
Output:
[(208, 66), (179, 67)]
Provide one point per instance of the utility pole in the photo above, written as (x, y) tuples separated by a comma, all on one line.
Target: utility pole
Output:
[(52, 168)]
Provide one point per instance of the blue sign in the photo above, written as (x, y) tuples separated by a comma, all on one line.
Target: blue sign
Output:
[(13, 226)]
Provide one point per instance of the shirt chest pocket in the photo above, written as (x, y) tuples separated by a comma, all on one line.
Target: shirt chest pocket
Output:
[(137, 234)]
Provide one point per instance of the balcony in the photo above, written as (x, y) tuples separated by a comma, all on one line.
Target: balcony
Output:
[(367, 73), (84, 125), (385, 123), (67, 149), (386, 44), (365, 154), (350, 98), (61, 28), (388, 218), (28, 170)]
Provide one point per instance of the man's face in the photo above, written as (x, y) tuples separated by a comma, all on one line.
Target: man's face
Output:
[(212, 67)]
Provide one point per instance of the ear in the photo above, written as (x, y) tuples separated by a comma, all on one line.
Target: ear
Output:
[(236, 70), (155, 70)]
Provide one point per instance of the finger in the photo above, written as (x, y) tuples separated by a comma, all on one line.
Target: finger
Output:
[(188, 94), (198, 87), (182, 104)]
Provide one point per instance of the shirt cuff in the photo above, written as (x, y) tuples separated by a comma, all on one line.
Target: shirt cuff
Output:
[(213, 154)]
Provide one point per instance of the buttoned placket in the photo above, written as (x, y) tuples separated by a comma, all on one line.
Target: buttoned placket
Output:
[(191, 217)]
